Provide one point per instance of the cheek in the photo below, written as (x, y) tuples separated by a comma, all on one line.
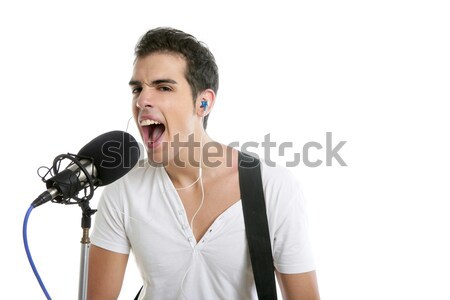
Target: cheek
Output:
[(179, 116), (134, 110), (135, 113)]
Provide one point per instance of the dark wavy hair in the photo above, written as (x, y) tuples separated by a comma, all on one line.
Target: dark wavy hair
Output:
[(201, 71)]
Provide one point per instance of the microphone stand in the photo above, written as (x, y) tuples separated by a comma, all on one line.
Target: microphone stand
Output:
[(87, 212)]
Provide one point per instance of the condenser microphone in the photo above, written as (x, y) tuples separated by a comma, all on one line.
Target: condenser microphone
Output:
[(100, 162)]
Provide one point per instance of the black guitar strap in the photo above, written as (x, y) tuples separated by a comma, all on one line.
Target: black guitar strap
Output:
[(256, 227)]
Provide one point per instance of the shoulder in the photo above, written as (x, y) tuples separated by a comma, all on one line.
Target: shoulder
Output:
[(277, 178), (282, 192)]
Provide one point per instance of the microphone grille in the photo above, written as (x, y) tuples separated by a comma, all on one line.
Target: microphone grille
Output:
[(115, 153)]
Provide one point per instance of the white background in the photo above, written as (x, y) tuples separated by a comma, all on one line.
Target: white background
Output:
[(374, 73)]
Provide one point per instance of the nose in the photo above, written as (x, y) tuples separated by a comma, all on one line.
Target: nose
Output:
[(137, 105), (144, 99)]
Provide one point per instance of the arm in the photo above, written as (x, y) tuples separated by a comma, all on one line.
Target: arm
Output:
[(302, 286), (106, 272)]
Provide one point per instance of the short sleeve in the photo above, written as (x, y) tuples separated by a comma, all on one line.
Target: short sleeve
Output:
[(288, 224), (109, 228)]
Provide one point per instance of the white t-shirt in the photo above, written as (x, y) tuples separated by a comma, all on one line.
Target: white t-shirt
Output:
[(143, 212)]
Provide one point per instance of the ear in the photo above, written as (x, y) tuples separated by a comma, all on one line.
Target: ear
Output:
[(207, 95)]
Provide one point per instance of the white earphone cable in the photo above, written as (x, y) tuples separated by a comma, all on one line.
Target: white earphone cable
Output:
[(200, 178)]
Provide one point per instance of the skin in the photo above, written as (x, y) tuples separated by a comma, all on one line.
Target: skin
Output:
[(161, 91)]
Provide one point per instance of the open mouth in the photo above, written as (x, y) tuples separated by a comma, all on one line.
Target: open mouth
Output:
[(153, 131)]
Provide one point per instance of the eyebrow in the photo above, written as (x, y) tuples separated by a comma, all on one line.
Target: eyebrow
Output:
[(153, 83)]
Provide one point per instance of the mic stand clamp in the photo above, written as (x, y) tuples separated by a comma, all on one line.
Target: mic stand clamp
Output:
[(85, 244)]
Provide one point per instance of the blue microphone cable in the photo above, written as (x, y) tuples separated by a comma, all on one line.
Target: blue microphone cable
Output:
[(27, 250)]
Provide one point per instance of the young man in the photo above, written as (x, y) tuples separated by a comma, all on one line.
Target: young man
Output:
[(181, 213)]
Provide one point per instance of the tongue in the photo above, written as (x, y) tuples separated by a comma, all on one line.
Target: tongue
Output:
[(156, 131)]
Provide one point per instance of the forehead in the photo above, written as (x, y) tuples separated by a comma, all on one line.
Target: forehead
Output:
[(159, 65)]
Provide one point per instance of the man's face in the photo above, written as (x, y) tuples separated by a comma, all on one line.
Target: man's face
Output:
[(162, 103)]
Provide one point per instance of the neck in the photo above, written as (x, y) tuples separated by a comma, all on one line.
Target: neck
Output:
[(184, 168)]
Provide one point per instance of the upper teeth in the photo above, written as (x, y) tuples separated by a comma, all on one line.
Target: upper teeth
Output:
[(148, 122)]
